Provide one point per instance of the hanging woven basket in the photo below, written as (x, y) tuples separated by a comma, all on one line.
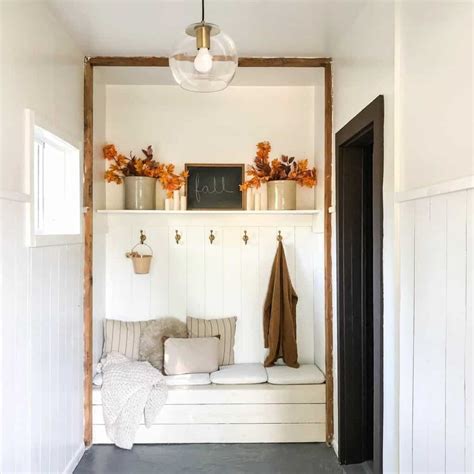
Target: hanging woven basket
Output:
[(141, 255)]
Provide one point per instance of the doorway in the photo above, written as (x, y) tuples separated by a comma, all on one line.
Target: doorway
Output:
[(359, 180)]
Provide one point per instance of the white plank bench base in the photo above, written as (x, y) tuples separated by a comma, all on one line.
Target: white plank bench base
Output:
[(261, 413)]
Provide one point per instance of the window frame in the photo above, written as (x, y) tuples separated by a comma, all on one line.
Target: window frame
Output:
[(34, 128)]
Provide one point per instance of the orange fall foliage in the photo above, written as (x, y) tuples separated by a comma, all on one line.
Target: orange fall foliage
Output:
[(121, 167), (264, 170)]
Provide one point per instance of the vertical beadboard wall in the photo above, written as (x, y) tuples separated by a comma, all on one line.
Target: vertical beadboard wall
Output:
[(42, 350), (226, 278), (436, 265)]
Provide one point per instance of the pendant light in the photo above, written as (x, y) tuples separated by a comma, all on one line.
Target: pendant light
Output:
[(205, 60)]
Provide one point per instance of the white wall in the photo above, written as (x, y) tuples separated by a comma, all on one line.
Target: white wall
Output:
[(319, 299), (434, 60), (419, 56), (41, 288), (228, 277), (211, 128), (99, 221), (435, 92), (363, 69)]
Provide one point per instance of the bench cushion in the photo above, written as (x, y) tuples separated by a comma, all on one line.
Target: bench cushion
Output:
[(305, 374), (187, 379), (97, 380), (239, 374)]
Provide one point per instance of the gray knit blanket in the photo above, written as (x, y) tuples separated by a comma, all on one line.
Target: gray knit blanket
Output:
[(131, 391)]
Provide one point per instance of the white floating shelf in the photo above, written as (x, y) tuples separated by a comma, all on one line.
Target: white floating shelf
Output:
[(240, 213)]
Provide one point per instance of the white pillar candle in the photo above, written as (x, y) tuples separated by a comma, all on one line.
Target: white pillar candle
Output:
[(183, 203), (257, 201), (176, 200), (160, 196), (168, 204), (263, 197), (250, 194)]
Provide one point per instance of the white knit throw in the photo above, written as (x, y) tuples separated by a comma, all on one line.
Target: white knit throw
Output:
[(130, 390)]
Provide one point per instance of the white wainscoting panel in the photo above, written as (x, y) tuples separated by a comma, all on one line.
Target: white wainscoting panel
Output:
[(436, 333), (41, 350), (196, 278), (407, 285)]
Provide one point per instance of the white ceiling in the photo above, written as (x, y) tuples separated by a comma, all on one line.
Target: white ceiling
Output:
[(258, 27)]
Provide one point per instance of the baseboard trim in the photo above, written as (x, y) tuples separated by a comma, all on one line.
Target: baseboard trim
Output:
[(335, 446), (72, 464)]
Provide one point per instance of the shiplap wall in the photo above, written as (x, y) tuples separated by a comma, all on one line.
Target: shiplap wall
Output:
[(436, 265), (226, 278), (42, 350)]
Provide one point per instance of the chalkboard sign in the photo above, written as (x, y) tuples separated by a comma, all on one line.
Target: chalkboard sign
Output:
[(211, 186)]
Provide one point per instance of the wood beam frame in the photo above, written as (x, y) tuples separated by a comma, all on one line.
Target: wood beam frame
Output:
[(88, 210), (328, 313), (157, 61), (147, 61)]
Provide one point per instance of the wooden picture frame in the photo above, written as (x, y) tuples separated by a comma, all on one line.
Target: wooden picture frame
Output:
[(217, 187), (154, 61)]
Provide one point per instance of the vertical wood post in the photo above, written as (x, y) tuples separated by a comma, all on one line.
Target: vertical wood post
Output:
[(328, 251), (88, 207)]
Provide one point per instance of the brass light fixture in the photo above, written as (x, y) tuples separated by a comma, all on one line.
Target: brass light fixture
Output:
[(205, 60)]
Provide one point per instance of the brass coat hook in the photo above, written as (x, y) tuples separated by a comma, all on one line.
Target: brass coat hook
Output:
[(279, 236), (142, 237), (245, 238), (177, 237), (212, 237)]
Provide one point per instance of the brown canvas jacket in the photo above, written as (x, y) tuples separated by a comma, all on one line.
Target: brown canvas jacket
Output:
[(279, 314)]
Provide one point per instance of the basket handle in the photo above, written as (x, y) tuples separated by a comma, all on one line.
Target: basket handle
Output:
[(142, 242)]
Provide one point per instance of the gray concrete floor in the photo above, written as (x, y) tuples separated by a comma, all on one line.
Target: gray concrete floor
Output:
[(211, 459)]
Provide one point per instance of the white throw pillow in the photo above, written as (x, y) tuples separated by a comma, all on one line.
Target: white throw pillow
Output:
[(222, 327), (97, 380), (191, 356)]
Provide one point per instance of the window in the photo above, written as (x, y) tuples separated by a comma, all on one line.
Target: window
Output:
[(56, 192)]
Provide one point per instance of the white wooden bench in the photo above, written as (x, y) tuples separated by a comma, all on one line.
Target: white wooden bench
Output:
[(259, 413)]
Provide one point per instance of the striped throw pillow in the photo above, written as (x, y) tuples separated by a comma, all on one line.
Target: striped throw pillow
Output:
[(224, 328), (123, 337)]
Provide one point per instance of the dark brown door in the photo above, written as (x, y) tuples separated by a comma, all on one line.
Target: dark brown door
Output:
[(359, 171)]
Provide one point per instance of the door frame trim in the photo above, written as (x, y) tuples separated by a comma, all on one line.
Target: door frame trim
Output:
[(371, 116)]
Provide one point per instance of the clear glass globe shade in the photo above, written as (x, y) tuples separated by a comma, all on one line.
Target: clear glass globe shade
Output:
[(186, 57)]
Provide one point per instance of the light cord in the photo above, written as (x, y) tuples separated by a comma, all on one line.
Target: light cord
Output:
[(202, 11)]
